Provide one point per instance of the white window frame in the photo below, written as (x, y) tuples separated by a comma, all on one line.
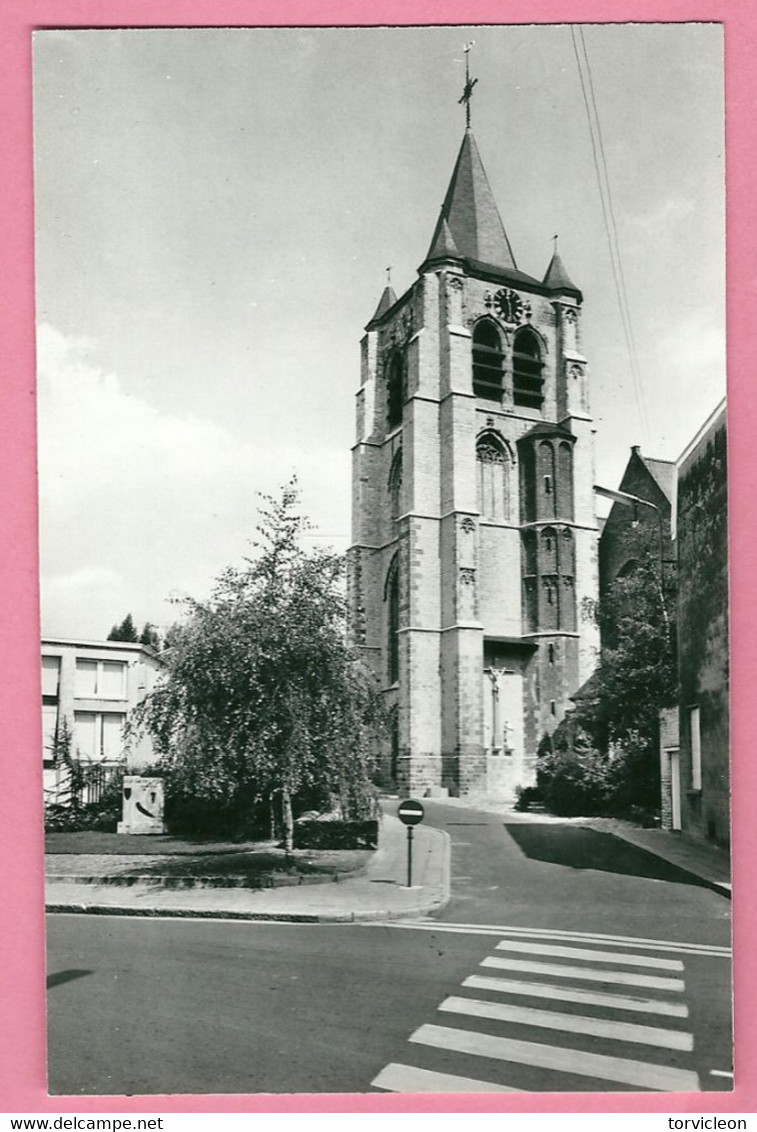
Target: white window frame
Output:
[(99, 717), (100, 680), (695, 738)]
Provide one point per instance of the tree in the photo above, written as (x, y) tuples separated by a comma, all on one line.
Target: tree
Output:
[(261, 696), (150, 636), (616, 718), (124, 632)]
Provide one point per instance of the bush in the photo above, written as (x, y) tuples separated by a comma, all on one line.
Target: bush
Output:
[(336, 834), (574, 783), (525, 797)]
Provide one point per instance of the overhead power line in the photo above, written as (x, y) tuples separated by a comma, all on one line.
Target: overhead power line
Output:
[(608, 215)]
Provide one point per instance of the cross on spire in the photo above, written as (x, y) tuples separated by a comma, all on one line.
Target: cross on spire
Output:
[(469, 84)]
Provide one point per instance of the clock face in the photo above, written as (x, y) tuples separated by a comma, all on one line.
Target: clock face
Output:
[(509, 304)]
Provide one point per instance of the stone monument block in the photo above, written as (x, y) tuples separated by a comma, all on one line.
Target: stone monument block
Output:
[(142, 805)]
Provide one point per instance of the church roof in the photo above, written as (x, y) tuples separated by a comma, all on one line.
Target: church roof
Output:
[(557, 278), (469, 217), (663, 472), (387, 300)]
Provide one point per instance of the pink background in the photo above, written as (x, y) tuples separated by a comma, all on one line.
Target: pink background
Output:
[(22, 981)]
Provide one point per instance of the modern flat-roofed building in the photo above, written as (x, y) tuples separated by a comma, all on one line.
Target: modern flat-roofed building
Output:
[(93, 686)]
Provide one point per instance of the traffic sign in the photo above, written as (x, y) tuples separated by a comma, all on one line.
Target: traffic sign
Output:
[(410, 812)]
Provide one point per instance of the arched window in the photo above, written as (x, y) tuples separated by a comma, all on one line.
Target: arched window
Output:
[(488, 361), (493, 464), (548, 551), (395, 390), (392, 599), (527, 367), (568, 555), (546, 486), (565, 480), (395, 486)]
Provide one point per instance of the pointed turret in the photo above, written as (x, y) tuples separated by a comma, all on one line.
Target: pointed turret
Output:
[(442, 245), (470, 226), (387, 300), (557, 278)]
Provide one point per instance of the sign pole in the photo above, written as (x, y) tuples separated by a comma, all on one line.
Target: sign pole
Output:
[(410, 813)]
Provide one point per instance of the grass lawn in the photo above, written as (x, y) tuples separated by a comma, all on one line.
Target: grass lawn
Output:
[(90, 853)]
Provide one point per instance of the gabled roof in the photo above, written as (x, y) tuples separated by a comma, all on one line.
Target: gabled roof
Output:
[(470, 215), (663, 472), (557, 278)]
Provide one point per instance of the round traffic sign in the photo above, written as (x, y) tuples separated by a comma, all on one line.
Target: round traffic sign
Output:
[(410, 812)]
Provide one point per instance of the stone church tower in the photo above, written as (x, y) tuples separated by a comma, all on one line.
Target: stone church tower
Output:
[(474, 531)]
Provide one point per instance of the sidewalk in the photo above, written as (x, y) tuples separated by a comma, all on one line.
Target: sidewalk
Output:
[(700, 858), (378, 893)]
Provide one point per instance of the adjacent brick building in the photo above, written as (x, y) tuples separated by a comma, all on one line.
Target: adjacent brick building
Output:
[(474, 529), (702, 794), (631, 532)]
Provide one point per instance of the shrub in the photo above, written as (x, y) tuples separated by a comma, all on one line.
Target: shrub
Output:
[(574, 783), (525, 797), (336, 834)]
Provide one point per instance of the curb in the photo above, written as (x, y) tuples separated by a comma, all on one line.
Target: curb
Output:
[(252, 884), (232, 914)]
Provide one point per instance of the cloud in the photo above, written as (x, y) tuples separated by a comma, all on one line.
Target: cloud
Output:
[(660, 220), (136, 503)]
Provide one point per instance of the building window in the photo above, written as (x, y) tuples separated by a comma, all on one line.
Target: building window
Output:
[(395, 486), (551, 654), (527, 370), (98, 735), (50, 676), (696, 749), (392, 598), (395, 390), (488, 361), (493, 475), (100, 679), (49, 732)]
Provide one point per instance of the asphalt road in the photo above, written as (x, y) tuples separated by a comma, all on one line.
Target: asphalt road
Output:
[(533, 977)]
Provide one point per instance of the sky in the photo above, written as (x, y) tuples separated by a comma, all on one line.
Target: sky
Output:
[(215, 213)]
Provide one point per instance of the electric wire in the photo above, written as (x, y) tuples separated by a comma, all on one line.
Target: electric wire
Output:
[(608, 214)]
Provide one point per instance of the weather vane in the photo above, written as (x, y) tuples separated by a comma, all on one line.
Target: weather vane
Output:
[(388, 276), (469, 84)]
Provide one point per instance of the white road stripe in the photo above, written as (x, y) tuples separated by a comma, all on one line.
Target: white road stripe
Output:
[(549, 933), (408, 1079), (562, 971), (569, 994), (572, 1023), (576, 1061), (596, 956), (720, 1073)]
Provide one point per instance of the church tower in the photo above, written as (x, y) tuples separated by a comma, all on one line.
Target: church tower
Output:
[(474, 532)]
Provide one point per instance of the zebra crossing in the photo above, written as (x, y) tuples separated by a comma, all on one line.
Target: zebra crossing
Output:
[(557, 1011)]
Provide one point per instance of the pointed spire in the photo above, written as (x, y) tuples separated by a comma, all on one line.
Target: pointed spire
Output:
[(469, 221), (557, 278), (387, 300)]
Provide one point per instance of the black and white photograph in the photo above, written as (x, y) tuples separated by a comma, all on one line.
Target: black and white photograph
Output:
[(382, 448)]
